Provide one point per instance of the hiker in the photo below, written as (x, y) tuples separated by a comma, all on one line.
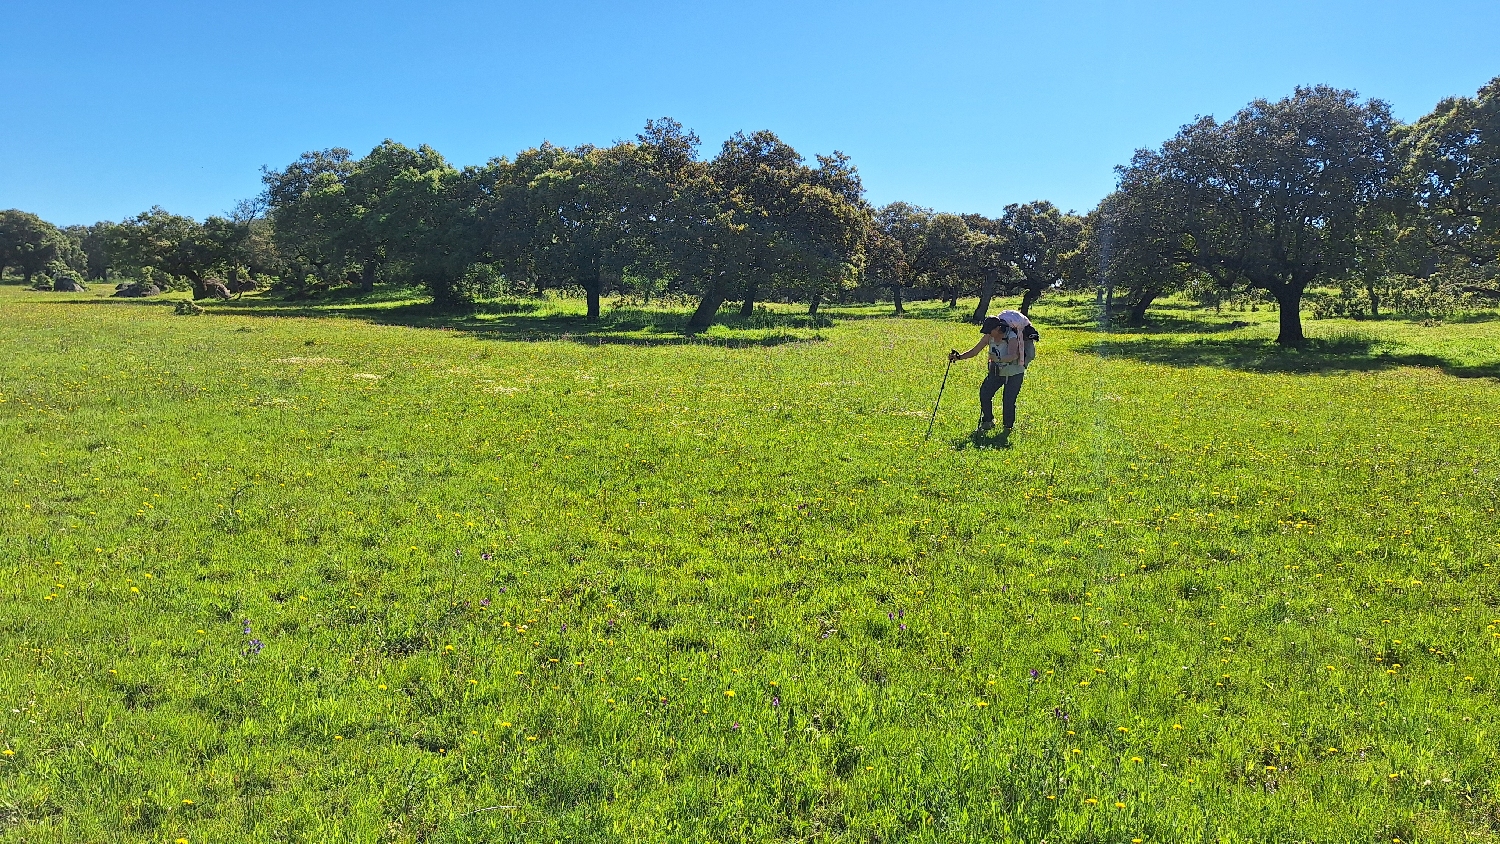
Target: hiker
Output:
[(1011, 339)]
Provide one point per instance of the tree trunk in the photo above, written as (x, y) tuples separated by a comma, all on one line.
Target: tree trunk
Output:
[(26, 276), (1289, 313), (199, 291), (1029, 299), (367, 278), (708, 306), (1374, 300), (812, 308), (1137, 314), (748, 307), (2, 271), (952, 302), (986, 293), (591, 293), (896, 293), (590, 276)]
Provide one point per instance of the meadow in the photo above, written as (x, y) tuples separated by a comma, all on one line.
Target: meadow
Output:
[(356, 571)]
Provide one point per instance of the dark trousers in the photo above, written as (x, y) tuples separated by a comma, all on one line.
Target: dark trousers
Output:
[(993, 382)]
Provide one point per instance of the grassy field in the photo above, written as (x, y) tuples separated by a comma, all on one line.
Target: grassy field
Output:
[(356, 572)]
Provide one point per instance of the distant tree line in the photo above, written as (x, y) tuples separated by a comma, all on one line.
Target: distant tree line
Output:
[(1317, 190)]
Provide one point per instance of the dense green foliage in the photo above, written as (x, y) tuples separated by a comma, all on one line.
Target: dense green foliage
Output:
[(344, 577)]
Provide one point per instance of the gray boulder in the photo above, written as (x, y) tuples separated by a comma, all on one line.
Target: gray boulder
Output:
[(136, 290)]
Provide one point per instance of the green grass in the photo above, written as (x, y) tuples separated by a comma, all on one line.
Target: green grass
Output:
[(506, 584)]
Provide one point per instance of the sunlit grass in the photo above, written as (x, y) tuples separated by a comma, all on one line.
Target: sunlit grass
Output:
[(628, 585)]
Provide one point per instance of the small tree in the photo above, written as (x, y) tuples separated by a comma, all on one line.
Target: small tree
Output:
[(435, 230), (894, 241), (946, 261), (176, 245), (569, 214), (377, 201), (1038, 239), (310, 210), (1450, 177), (94, 243), (28, 243), (1133, 246), (765, 218), (989, 261), (824, 232)]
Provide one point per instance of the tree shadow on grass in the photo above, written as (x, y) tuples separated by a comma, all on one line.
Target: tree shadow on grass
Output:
[(153, 301), (1463, 318), (521, 321), (1155, 323), (936, 312), (1161, 318), (1350, 354), (1473, 317)]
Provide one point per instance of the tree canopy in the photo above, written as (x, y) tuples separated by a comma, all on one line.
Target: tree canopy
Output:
[(29, 243), (1271, 197), (177, 246), (1451, 173)]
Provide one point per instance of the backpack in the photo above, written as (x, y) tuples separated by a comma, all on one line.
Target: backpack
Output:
[(1017, 321)]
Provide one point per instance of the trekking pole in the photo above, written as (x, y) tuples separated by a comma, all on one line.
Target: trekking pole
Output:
[(939, 400)]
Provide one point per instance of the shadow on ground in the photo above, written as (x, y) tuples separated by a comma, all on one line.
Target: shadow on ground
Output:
[(522, 320), (513, 321), (1251, 355), (153, 301), (979, 444), (1165, 318)]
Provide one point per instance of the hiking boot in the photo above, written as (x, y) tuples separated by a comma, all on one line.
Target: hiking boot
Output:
[(1005, 438), (984, 425)]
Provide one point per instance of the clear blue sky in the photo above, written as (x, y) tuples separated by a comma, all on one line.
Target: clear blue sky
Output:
[(112, 107)]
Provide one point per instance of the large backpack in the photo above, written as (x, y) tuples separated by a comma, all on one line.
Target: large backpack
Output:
[(1017, 321)]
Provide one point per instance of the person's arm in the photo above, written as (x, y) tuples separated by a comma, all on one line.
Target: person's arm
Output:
[(953, 354)]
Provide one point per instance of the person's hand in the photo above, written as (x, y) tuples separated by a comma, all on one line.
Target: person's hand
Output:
[(953, 355)]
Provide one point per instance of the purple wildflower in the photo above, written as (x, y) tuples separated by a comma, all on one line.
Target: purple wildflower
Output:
[(903, 627), (255, 647), (565, 628), (736, 726), (891, 616), (484, 602), (486, 556), (901, 613), (1035, 674), (775, 701)]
